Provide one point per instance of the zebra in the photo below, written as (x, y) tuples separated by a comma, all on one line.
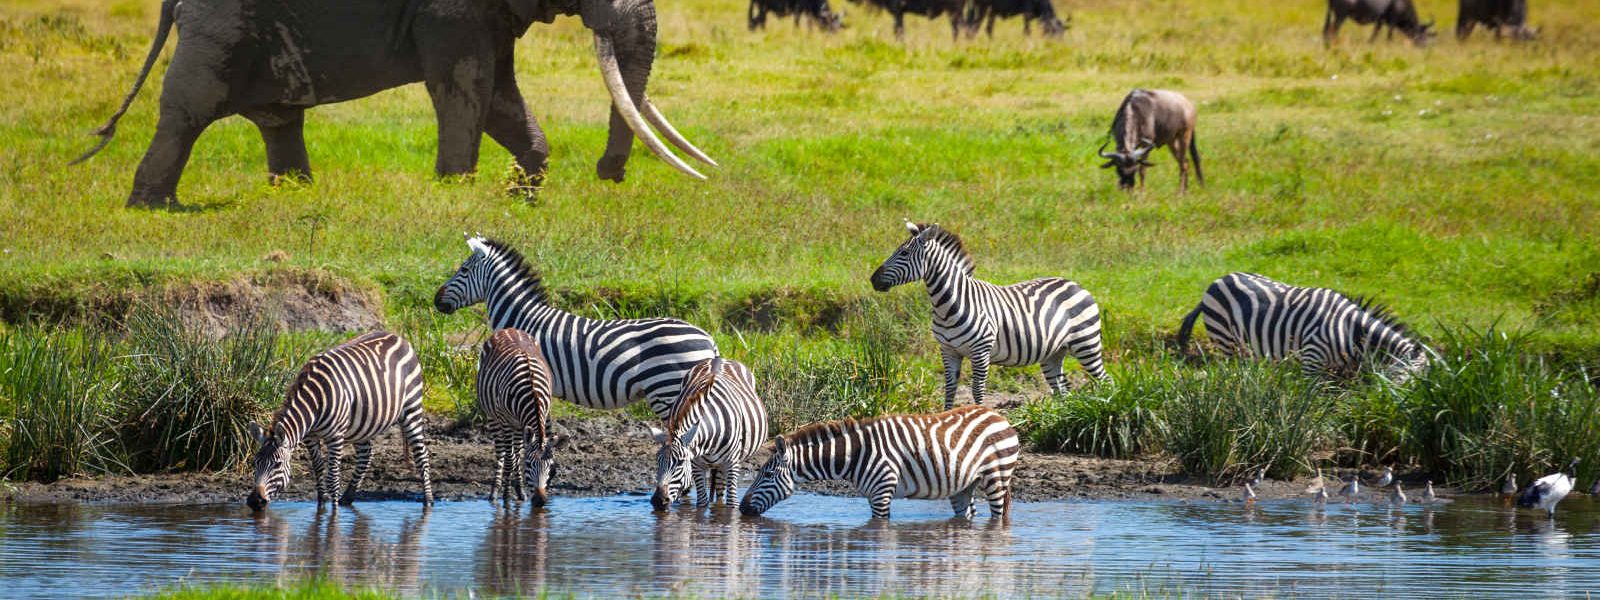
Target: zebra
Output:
[(346, 395), (1249, 314), (514, 396), (717, 424), (954, 454), (1034, 322), (594, 363)]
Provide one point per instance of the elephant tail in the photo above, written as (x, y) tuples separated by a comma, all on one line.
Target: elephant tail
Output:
[(163, 27)]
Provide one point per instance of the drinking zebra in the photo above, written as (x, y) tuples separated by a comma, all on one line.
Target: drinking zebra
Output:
[(955, 454), (514, 395), (1248, 314), (1034, 322), (593, 363), (346, 395), (718, 422)]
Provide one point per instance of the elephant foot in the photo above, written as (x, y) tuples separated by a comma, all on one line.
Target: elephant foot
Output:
[(524, 185), (612, 167), (289, 178), (153, 200)]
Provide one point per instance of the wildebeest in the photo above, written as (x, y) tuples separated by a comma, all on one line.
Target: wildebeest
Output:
[(931, 8), (818, 10), (1396, 14), (1500, 15), (1149, 119), (1042, 10)]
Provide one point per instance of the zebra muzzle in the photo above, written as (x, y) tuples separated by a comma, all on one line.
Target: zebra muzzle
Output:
[(660, 500)]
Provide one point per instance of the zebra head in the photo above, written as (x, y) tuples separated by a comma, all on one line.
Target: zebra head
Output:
[(673, 461), (271, 466), (540, 467), (908, 263), (774, 481), (470, 284)]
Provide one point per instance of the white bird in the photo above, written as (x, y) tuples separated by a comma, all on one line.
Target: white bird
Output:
[(1248, 496), (1386, 479), (1510, 487), (1322, 495), (1260, 477), (1351, 488), (1427, 493), (1398, 496), (1549, 490)]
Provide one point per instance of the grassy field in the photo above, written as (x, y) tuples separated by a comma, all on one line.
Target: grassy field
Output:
[(1454, 182)]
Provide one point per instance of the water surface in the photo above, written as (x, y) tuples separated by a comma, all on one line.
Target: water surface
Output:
[(813, 545)]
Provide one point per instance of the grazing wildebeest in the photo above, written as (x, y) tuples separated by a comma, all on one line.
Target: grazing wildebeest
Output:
[(1042, 10), (1396, 14), (818, 10), (931, 8), (1499, 15), (1149, 119)]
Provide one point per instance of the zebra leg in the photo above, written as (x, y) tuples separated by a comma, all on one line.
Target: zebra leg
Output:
[(997, 490), (980, 374), (882, 494), (318, 464), (363, 465), (713, 487), (730, 484), (417, 441), (518, 463), (332, 463), (498, 435), (1055, 375), (702, 487), (952, 374), (962, 503)]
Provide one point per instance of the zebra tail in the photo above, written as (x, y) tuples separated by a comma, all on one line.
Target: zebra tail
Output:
[(1186, 329)]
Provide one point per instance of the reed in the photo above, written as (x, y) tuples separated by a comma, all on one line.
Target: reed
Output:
[(58, 402)]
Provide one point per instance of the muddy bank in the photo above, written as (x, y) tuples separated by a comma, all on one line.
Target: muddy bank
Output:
[(609, 455)]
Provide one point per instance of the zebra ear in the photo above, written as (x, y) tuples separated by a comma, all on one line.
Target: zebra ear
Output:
[(780, 446), (912, 227), (658, 434), (256, 433)]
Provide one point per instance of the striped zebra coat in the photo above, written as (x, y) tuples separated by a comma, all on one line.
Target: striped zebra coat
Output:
[(1039, 321), (956, 454), (593, 363), (346, 395), (717, 423), (1250, 315), (514, 396)]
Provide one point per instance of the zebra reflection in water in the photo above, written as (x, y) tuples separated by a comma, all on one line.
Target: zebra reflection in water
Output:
[(346, 546), (706, 548), (951, 557), (514, 557)]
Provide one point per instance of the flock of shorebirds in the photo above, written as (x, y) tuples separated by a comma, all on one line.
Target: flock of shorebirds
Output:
[(1544, 494)]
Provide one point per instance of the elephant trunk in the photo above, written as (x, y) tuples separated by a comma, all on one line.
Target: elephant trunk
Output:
[(626, 52)]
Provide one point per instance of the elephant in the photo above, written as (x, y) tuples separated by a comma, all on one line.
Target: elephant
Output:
[(270, 60)]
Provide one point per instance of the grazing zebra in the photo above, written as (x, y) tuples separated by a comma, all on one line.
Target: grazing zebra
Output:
[(593, 363), (348, 394), (514, 395), (1033, 322), (718, 422), (1250, 314), (954, 454)]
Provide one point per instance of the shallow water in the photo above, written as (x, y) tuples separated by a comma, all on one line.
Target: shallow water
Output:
[(813, 545)]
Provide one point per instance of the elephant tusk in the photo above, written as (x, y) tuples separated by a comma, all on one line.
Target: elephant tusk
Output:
[(660, 122), (623, 102)]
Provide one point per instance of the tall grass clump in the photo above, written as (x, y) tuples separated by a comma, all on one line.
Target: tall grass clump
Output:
[(1121, 420), (58, 403), (802, 386), (1232, 418), (1488, 408), (449, 362), (189, 397)]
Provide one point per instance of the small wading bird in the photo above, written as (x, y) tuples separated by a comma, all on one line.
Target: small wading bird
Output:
[(1316, 483), (1260, 477), (1509, 489), (1594, 488), (1351, 488), (1322, 495), (1427, 493), (1248, 496), (1398, 496), (1549, 490)]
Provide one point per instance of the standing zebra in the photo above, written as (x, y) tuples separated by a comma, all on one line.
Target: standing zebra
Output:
[(954, 454), (593, 363), (348, 394), (1248, 314), (717, 423), (1034, 322), (514, 395)]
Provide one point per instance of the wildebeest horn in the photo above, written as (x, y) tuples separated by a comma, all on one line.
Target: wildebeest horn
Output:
[(623, 102), (1102, 150), (677, 139), (1140, 152)]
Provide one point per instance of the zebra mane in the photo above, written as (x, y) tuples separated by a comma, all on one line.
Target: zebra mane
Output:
[(825, 430), (519, 267), (294, 386), (1382, 314), (682, 410), (951, 242)]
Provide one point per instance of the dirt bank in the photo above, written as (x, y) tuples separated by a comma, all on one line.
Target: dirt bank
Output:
[(610, 455)]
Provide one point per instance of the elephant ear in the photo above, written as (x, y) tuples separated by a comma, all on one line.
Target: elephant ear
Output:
[(532, 10)]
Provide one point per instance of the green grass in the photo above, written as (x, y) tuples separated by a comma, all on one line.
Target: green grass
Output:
[(1453, 182)]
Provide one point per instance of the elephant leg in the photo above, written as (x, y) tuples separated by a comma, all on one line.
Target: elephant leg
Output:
[(899, 24), (283, 131), (511, 126), (460, 83), (187, 108)]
